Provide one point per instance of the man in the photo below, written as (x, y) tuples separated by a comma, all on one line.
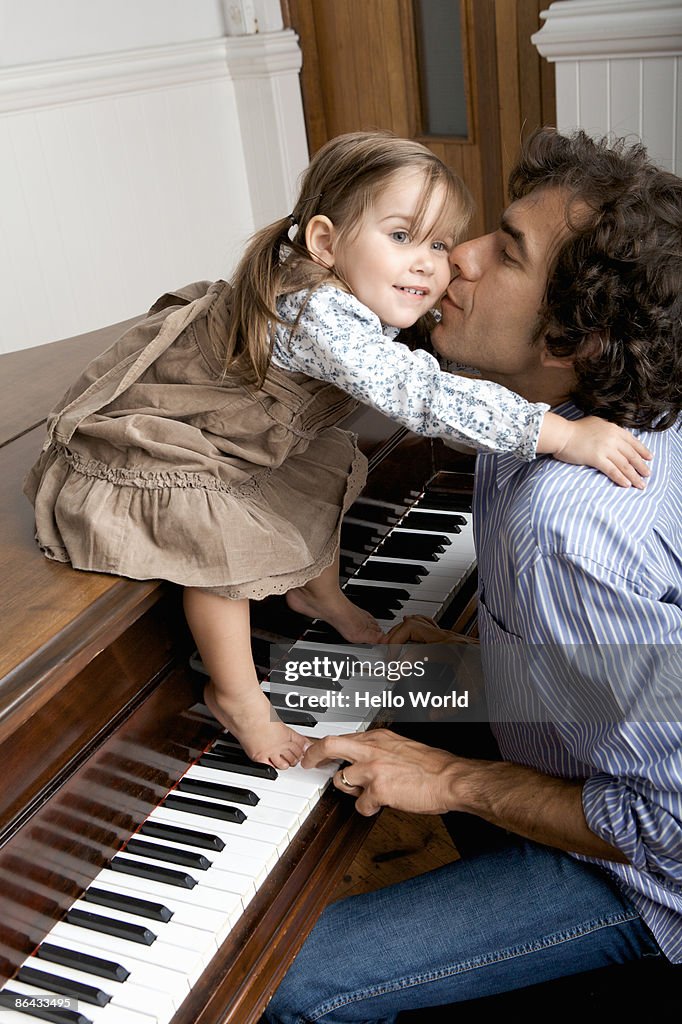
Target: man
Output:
[(577, 301)]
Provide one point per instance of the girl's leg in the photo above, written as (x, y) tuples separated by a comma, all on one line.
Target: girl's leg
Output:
[(477, 927), (220, 628), (322, 598)]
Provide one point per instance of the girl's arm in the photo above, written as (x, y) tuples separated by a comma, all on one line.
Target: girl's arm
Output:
[(337, 339)]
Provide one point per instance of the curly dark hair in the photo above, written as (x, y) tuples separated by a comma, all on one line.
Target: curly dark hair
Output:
[(614, 295)]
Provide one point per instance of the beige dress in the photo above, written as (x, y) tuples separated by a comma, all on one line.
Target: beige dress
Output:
[(156, 467)]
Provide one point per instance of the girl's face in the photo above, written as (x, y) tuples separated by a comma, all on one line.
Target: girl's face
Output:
[(399, 277)]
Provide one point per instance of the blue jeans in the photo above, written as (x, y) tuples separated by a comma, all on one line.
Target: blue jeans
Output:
[(510, 917)]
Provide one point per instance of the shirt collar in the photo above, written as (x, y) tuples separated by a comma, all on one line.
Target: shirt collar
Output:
[(509, 466)]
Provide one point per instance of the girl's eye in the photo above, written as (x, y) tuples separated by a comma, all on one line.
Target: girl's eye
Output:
[(400, 236), (441, 247)]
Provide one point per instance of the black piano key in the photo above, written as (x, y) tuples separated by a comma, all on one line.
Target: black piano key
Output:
[(63, 986), (434, 521), (291, 717), (82, 962), (8, 999), (396, 593), (128, 904), (322, 633), (177, 834), (448, 501), (190, 805), (392, 572), (229, 762), (303, 651), (152, 871), (199, 787), (413, 546), (348, 564), (355, 537), (374, 601), (110, 926), (278, 701), (307, 682), (187, 858), (380, 514)]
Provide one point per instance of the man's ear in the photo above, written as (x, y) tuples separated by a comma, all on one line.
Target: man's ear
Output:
[(547, 359), (320, 235), (589, 347)]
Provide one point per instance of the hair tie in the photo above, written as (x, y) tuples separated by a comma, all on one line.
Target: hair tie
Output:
[(293, 219)]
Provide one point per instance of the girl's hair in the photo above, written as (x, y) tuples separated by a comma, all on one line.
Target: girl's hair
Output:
[(342, 182)]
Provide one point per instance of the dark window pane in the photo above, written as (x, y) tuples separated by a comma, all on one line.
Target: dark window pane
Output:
[(441, 67)]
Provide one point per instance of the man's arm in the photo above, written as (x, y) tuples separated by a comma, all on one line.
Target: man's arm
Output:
[(387, 770)]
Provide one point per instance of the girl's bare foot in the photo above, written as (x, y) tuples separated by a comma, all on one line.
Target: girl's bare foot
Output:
[(353, 623), (251, 719)]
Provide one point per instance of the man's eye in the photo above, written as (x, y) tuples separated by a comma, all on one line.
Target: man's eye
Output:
[(400, 236), (507, 258)]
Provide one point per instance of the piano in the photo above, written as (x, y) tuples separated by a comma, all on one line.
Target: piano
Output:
[(149, 873)]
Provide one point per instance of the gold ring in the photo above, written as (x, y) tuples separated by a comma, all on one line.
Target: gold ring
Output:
[(345, 781)]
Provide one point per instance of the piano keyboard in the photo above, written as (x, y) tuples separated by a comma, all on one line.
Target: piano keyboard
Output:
[(131, 948)]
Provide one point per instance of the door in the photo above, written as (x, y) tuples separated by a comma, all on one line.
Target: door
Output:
[(461, 76)]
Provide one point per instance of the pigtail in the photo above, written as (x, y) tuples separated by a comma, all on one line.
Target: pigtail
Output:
[(255, 287)]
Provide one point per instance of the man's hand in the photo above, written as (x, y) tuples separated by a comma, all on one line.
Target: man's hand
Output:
[(417, 629), (387, 770)]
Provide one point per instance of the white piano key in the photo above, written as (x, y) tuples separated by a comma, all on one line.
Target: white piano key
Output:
[(225, 860), (297, 784), (175, 934), (275, 826), (337, 711), (146, 975), (184, 963), (125, 995), (262, 851), (97, 1014), (227, 904), (271, 792), (183, 911), (216, 877)]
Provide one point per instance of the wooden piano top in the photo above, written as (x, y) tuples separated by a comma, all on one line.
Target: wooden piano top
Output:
[(96, 725), (49, 614)]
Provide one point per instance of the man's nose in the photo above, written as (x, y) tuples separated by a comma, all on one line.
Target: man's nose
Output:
[(468, 259)]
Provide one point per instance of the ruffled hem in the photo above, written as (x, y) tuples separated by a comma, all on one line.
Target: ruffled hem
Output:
[(271, 585), (265, 535)]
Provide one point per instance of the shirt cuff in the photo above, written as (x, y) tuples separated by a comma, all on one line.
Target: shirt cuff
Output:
[(528, 449), (607, 817)]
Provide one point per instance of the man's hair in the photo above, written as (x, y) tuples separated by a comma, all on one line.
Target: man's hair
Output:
[(614, 294)]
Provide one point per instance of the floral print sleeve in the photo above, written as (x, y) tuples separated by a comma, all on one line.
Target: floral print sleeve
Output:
[(338, 339)]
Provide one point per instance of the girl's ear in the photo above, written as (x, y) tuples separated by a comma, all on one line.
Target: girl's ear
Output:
[(320, 235)]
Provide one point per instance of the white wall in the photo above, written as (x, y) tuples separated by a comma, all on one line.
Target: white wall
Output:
[(619, 70), (141, 143)]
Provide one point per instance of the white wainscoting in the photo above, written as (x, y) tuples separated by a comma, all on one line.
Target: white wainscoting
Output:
[(619, 70), (125, 174)]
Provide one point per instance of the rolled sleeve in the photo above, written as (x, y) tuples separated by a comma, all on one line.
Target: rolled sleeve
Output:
[(647, 828)]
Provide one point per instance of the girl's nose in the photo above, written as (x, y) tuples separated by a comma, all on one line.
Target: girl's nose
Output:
[(423, 261)]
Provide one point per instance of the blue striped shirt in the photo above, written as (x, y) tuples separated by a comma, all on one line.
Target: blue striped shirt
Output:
[(567, 559)]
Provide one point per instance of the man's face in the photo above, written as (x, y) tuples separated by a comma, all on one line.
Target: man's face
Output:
[(490, 311)]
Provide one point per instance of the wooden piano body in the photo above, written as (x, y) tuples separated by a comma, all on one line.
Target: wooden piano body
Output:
[(95, 726)]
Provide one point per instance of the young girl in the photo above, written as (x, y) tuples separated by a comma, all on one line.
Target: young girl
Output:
[(202, 448)]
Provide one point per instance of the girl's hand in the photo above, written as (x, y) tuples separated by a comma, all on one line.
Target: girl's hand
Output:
[(596, 442)]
